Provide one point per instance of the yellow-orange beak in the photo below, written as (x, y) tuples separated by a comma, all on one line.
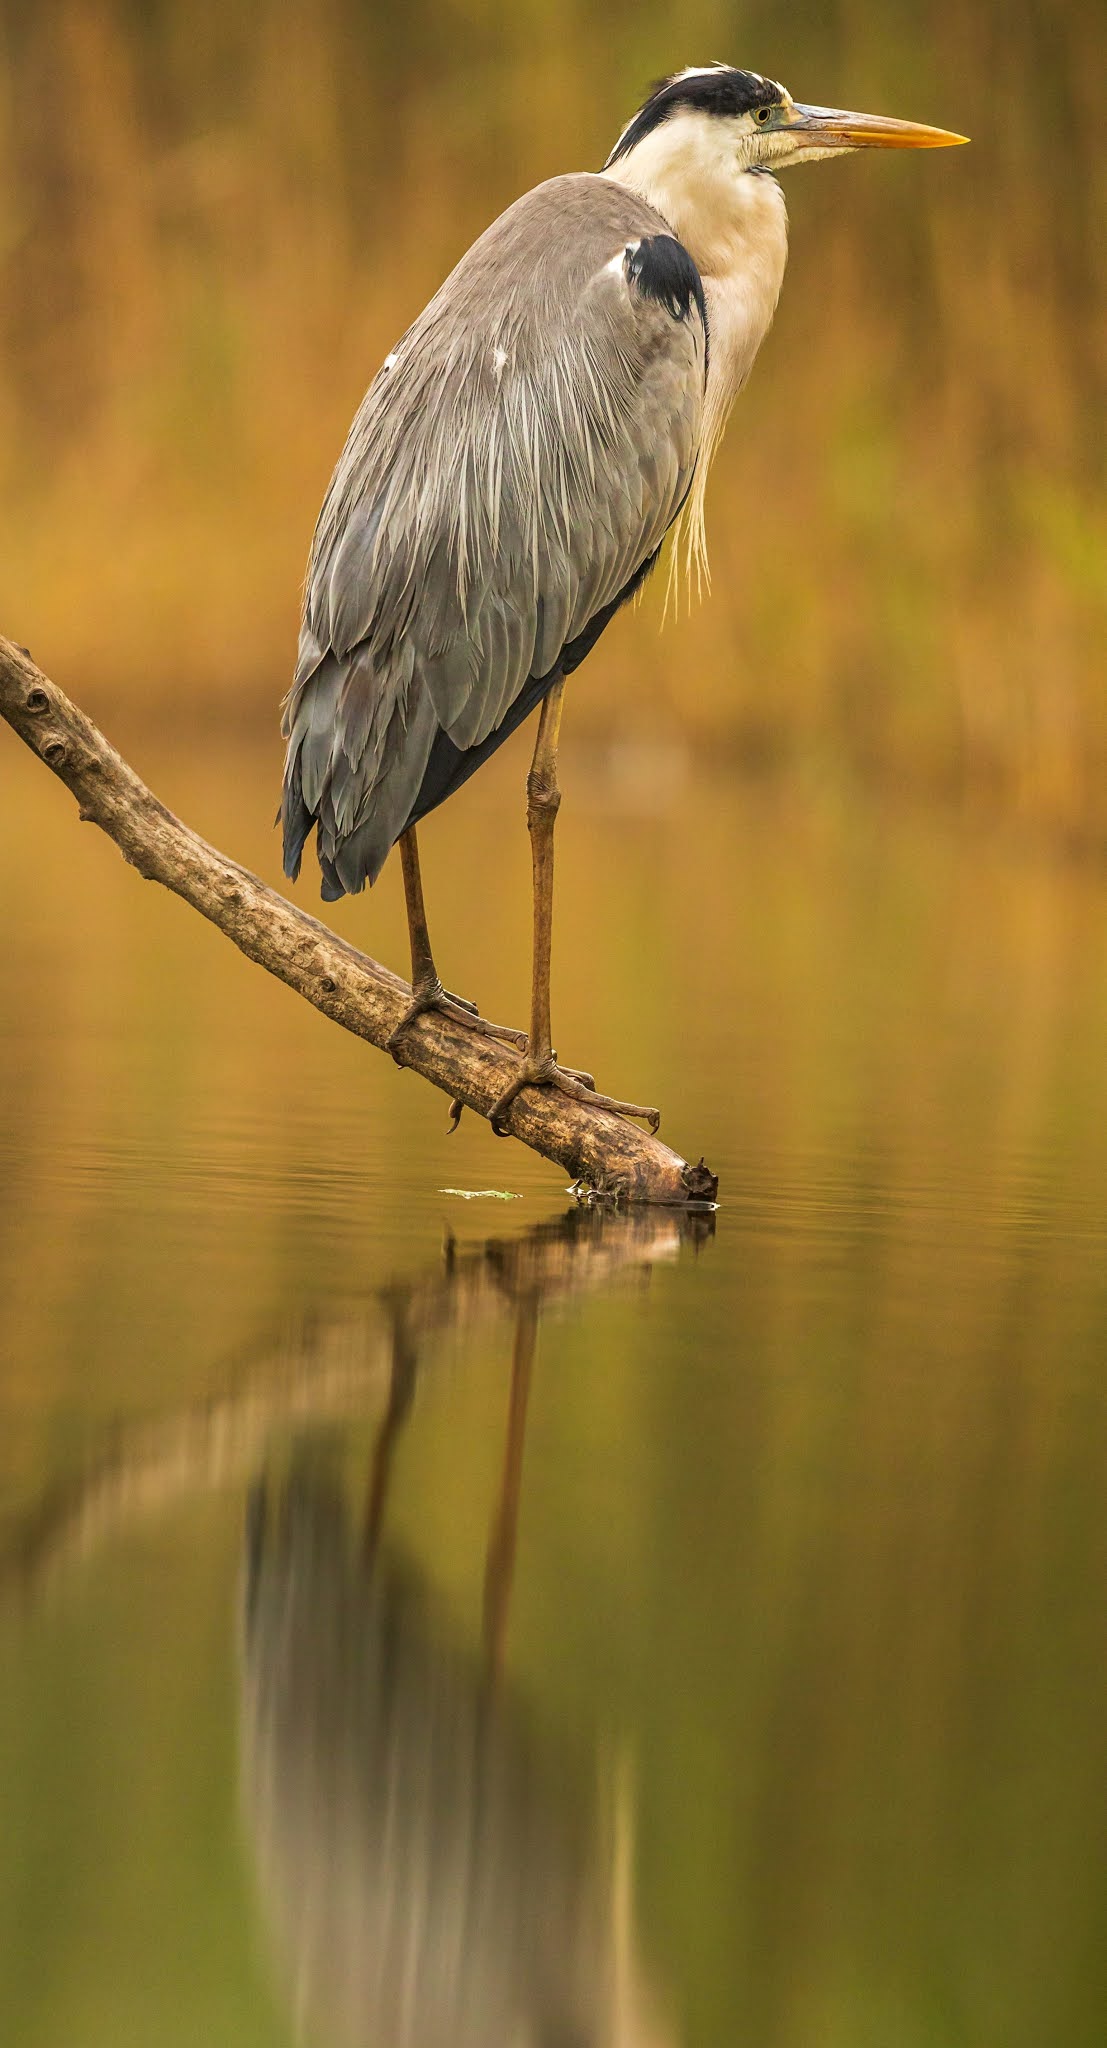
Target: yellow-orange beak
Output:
[(831, 128)]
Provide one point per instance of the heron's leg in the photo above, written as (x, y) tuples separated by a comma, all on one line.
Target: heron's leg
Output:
[(540, 1068), (427, 992), (543, 804)]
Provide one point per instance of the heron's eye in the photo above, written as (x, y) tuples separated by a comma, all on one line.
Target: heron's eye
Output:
[(763, 114)]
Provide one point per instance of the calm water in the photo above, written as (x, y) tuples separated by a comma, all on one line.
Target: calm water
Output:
[(439, 1622)]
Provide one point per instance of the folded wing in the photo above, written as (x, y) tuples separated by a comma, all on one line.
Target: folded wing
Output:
[(513, 466)]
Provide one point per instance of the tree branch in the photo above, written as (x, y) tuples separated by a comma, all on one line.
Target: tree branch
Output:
[(592, 1145)]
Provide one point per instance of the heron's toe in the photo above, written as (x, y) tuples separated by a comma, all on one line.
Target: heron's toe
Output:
[(459, 1010), (580, 1087), (460, 1003)]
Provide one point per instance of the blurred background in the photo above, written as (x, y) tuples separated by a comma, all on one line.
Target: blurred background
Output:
[(803, 1665), (214, 222)]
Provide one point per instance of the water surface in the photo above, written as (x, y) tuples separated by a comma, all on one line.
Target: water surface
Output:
[(434, 1622)]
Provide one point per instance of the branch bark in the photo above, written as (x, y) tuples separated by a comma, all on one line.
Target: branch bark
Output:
[(593, 1146)]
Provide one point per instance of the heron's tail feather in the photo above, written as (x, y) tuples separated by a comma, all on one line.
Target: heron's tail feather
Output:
[(294, 818), (309, 723), (354, 766)]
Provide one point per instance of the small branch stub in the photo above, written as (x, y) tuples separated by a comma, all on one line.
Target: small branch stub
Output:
[(591, 1145)]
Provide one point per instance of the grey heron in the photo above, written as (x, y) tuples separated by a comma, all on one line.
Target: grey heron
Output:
[(512, 473)]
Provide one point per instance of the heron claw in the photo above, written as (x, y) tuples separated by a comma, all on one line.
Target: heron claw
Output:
[(580, 1087), (457, 1008)]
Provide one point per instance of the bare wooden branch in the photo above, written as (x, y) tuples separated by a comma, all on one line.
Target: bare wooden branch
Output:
[(592, 1145)]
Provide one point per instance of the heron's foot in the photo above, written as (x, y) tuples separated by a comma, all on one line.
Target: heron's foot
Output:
[(544, 1072), (432, 996)]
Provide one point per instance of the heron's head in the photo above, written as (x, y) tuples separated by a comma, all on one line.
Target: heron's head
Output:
[(718, 119)]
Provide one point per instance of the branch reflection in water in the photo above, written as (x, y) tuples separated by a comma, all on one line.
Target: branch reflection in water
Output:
[(329, 1366), (438, 1871), (438, 1867)]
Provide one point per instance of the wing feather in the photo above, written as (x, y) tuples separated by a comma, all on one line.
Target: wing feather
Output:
[(507, 475)]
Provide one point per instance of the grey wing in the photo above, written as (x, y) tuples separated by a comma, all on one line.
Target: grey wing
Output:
[(512, 467)]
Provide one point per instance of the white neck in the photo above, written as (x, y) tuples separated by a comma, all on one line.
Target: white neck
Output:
[(734, 225)]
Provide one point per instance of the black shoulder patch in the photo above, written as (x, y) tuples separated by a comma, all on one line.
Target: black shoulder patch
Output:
[(663, 270)]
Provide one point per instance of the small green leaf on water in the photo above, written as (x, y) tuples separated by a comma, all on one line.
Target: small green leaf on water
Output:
[(482, 1194)]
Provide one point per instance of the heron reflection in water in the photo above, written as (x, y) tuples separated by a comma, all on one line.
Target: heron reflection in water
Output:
[(436, 1871)]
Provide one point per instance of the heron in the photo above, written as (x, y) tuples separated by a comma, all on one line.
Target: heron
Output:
[(511, 475)]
